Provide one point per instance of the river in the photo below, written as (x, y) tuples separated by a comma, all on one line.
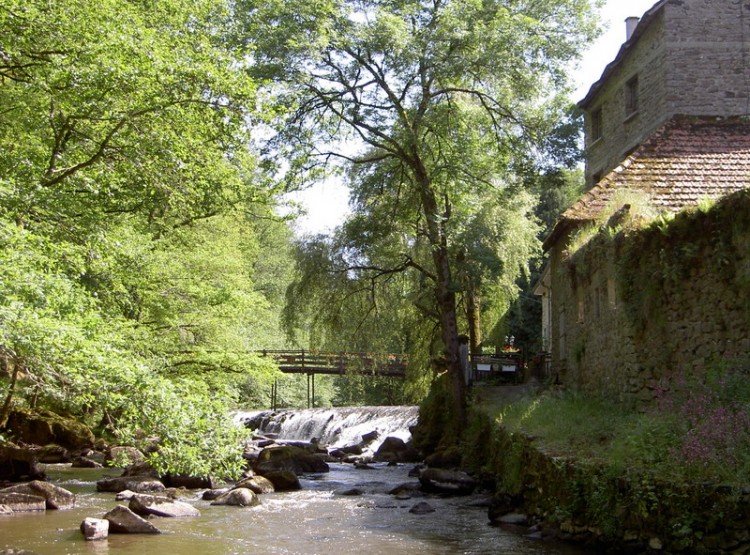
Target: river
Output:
[(316, 520)]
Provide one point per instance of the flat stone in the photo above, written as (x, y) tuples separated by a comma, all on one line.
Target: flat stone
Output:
[(137, 484), (22, 502), (94, 529), (161, 506), (55, 497), (124, 521)]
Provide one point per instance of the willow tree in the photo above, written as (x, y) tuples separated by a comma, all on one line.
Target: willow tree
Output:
[(443, 93)]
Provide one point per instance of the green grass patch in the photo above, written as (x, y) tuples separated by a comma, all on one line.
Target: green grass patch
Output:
[(698, 428)]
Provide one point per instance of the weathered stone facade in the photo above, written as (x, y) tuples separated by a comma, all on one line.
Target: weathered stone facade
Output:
[(686, 57), (635, 309)]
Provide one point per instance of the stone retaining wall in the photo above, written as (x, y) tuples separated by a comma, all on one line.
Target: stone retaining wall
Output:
[(620, 511)]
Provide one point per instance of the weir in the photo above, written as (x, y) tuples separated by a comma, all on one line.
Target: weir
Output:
[(336, 427)]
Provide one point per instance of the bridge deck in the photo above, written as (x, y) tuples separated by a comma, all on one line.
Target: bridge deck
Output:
[(341, 363)]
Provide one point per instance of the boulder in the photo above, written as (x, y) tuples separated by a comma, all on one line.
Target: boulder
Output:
[(342, 452), (422, 508), (289, 457), (94, 529), (22, 502), (395, 449), (257, 484), (140, 468), (189, 482), (145, 505), (211, 494), (44, 428), (369, 437), (125, 495), (124, 521), (5, 510), (54, 496), (85, 462), (450, 482), (53, 454), (122, 456), (240, 497), (283, 480), (137, 484), (19, 464)]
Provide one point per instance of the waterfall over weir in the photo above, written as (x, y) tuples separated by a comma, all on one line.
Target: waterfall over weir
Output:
[(335, 427)]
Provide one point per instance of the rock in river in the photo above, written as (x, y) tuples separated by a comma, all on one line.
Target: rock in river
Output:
[(145, 505), (124, 521), (451, 482), (240, 497), (95, 528), (55, 497)]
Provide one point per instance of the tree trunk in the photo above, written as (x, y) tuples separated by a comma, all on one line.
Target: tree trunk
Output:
[(475, 321), (14, 370), (446, 297)]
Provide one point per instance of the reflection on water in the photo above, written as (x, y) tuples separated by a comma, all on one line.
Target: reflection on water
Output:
[(316, 520)]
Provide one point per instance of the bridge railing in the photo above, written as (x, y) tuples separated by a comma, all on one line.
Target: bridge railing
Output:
[(318, 362)]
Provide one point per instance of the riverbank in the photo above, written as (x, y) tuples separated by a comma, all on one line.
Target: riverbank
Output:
[(562, 462)]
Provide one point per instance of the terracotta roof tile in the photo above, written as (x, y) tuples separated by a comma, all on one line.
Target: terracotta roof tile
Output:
[(686, 160)]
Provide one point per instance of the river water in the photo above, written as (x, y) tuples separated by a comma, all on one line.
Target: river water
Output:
[(316, 520)]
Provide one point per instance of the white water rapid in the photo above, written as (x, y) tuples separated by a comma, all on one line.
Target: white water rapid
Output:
[(335, 427)]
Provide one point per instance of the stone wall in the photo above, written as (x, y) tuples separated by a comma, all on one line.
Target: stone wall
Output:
[(692, 59), (708, 57), (621, 132), (636, 308), (610, 511)]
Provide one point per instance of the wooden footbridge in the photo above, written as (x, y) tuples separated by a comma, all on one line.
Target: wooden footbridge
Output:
[(335, 363)]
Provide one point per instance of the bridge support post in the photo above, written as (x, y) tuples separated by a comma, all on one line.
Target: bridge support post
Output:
[(310, 390)]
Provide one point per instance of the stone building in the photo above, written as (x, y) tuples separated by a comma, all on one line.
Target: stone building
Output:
[(666, 129), (687, 57)]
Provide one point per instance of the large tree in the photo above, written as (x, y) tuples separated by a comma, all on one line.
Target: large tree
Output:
[(131, 217), (441, 94)]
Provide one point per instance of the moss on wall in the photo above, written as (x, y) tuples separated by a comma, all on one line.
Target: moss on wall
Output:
[(622, 509)]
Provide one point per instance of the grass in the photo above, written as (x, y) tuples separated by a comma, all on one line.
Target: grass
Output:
[(698, 428)]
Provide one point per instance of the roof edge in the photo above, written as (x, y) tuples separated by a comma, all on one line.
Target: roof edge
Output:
[(640, 29)]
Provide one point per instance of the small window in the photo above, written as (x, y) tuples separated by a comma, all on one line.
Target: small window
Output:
[(596, 125), (631, 96)]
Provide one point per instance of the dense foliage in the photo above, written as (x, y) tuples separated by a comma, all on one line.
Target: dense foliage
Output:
[(133, 276), (144, 146), (432, 107)]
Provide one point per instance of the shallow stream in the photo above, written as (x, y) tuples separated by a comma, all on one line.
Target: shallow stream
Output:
[(316, 520)]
